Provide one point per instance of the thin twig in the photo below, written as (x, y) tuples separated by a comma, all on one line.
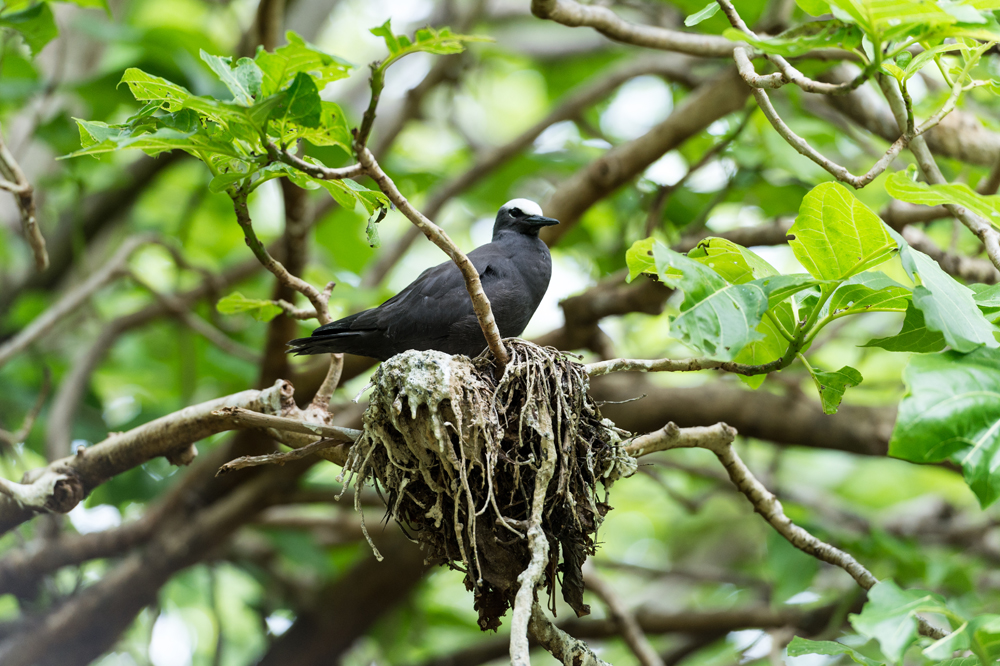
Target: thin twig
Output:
[(314, 170), (480, 303), (14, 181), (523, 613), (21, 434), (986, 233), (279, 458), (114, 267), (182, 311), (247, 418), (270, 263), (719, 442), (787, 73), (558, 643), (628, 625), (681, 365)]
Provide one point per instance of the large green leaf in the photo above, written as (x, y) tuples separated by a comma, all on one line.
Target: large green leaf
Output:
[(948, 306), (146, 87), (97, 138), (717, 318), (914, 336), (430, 40), (639, 258), (879, 17), (836, 236), (35, 24), (236, 303), (833, 384), (952, 412), (732, 261), (902, 187), (803, 646), (890, 616), (331, 131), (243, 81), (301, 106), (281, 67), (871, 291), (804, 38)]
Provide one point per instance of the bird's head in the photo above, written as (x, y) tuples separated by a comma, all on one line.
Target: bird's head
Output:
[(522, 216)]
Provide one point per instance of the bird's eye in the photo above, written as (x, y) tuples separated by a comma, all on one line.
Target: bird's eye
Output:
[(516, 212)]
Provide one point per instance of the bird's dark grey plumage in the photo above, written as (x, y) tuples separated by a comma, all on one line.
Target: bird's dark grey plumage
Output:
[(435, 310)]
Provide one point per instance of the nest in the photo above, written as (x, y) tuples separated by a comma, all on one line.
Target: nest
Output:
[(456, 453)]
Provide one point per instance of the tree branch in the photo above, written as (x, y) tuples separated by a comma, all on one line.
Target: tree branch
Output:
[(480, 303), (114, 267), (628, 625), (17, 184), (64, 483)]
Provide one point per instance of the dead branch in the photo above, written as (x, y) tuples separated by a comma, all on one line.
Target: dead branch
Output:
[(279, 458)]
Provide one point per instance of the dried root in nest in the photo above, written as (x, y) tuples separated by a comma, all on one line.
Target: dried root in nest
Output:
[(478, 470)]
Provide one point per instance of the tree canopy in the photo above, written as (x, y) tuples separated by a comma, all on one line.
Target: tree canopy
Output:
[(772, 326)]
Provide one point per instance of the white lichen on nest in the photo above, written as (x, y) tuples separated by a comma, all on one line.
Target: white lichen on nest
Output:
[(457, 451)]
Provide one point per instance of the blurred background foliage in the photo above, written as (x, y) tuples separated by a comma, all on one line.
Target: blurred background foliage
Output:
[(680, 540)]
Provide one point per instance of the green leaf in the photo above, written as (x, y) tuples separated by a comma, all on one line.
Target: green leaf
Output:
[(97, 137), (803, 646), (814, 7), (948, 306), (951, 411), (301, 106), (833, 385), (236, 303), (717, 318), (902, 187), (805, 38), (146, 87), (281, 67), (639, 258), (707, 12), (836, 236), (347, 193), (779, 287), (96, 4), (869, 292), (331, 131), (243, 81), (914, 336), (880, 18), (428, 40), (733, 262), (371, 232), (36, 25), (889, 616)]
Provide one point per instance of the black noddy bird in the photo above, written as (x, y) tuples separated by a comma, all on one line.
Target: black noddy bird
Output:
[(435, 310)]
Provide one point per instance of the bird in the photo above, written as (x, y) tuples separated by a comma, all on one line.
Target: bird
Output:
[(434, 312)]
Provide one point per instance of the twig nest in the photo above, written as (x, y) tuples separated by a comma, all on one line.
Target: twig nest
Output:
[(456, 452)]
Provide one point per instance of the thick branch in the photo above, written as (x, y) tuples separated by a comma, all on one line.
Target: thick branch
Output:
[(609, 24), (712, 100), (64, 483)]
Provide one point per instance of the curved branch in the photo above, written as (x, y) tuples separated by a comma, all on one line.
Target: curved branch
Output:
[(609, 24), (480, 303)]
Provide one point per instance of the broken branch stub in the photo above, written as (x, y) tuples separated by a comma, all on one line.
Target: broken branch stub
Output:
[(457, 451)]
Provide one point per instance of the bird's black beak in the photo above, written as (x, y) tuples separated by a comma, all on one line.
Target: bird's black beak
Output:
[(539, 221)]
